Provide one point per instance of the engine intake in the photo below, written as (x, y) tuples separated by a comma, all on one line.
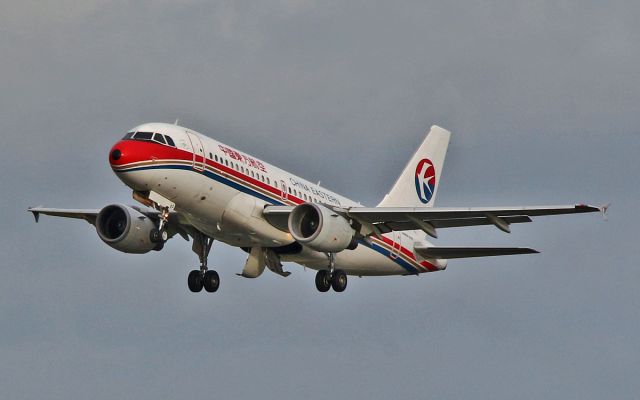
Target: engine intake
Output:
[(125, 229), (320, 228)]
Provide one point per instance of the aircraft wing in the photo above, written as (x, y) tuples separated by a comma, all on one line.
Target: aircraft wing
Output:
[(387, 219), (176, 224), (89, 215)]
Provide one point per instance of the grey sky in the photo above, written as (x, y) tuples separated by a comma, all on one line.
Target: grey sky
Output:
[(542, 99)]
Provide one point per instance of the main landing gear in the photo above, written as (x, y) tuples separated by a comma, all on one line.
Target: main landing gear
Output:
[(203, 278), (331, 278)]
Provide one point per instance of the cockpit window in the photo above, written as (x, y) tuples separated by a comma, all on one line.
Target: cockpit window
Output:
[(169, 141), (150, 136), (158, 138), (143, 135)]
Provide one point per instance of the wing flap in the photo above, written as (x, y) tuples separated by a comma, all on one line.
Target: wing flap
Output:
[(431, 252)]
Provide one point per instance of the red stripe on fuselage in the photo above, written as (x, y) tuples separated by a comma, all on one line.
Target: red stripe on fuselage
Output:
[(134, 151)]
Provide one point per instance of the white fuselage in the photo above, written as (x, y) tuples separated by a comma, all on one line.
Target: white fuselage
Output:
[(222, 191)]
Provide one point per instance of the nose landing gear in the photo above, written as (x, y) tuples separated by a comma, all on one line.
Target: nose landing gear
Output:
[(160, 235)]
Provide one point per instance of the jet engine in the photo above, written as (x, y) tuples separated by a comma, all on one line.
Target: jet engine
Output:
[(125, 229), (321, 228)]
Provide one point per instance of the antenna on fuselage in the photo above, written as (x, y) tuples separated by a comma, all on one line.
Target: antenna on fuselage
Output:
[(177, 120)]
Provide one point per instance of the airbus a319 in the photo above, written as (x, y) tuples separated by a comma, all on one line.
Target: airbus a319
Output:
[(200, 189)]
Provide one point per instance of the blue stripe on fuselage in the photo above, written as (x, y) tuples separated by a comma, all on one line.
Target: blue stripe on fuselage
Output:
[(228, 182)]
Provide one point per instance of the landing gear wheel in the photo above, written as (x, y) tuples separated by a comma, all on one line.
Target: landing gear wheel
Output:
[(159, 246), (195, 281), (158, 236), (339, 280), (323, 280), (211, 281)]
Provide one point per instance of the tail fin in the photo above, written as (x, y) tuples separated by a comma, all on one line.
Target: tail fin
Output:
[(418, 184)]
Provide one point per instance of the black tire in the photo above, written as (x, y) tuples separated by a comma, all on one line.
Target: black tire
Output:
[(211, 281), (159, 246), (195, 281), (323, 281), (155, 236), (339, 280)]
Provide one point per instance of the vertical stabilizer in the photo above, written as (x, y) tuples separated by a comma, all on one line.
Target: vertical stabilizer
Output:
[(418, 184)]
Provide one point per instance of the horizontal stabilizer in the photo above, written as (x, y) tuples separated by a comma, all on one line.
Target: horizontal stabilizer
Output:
[(431, 252)]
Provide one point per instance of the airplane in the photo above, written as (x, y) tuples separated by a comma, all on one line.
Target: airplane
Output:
[(196, 187)]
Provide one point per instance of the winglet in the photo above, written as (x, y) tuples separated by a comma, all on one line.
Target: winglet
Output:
[(604, 209), (36, 214)]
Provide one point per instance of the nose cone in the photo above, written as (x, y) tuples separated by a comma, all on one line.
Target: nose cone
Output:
[(116, 154), (120, 154)]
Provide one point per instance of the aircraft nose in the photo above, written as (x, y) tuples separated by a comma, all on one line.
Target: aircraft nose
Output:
[(118, 154)]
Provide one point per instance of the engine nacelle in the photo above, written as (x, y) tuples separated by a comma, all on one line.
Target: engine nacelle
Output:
[(125, 229), (320, 228)]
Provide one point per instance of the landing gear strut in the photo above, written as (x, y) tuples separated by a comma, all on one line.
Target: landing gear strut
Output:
[(203, 278), (159, 235), (331, 278)]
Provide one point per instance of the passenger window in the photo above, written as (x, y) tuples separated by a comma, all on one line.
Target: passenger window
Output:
[(216, 157), (158, 138), (143, 135), (269, 183)]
